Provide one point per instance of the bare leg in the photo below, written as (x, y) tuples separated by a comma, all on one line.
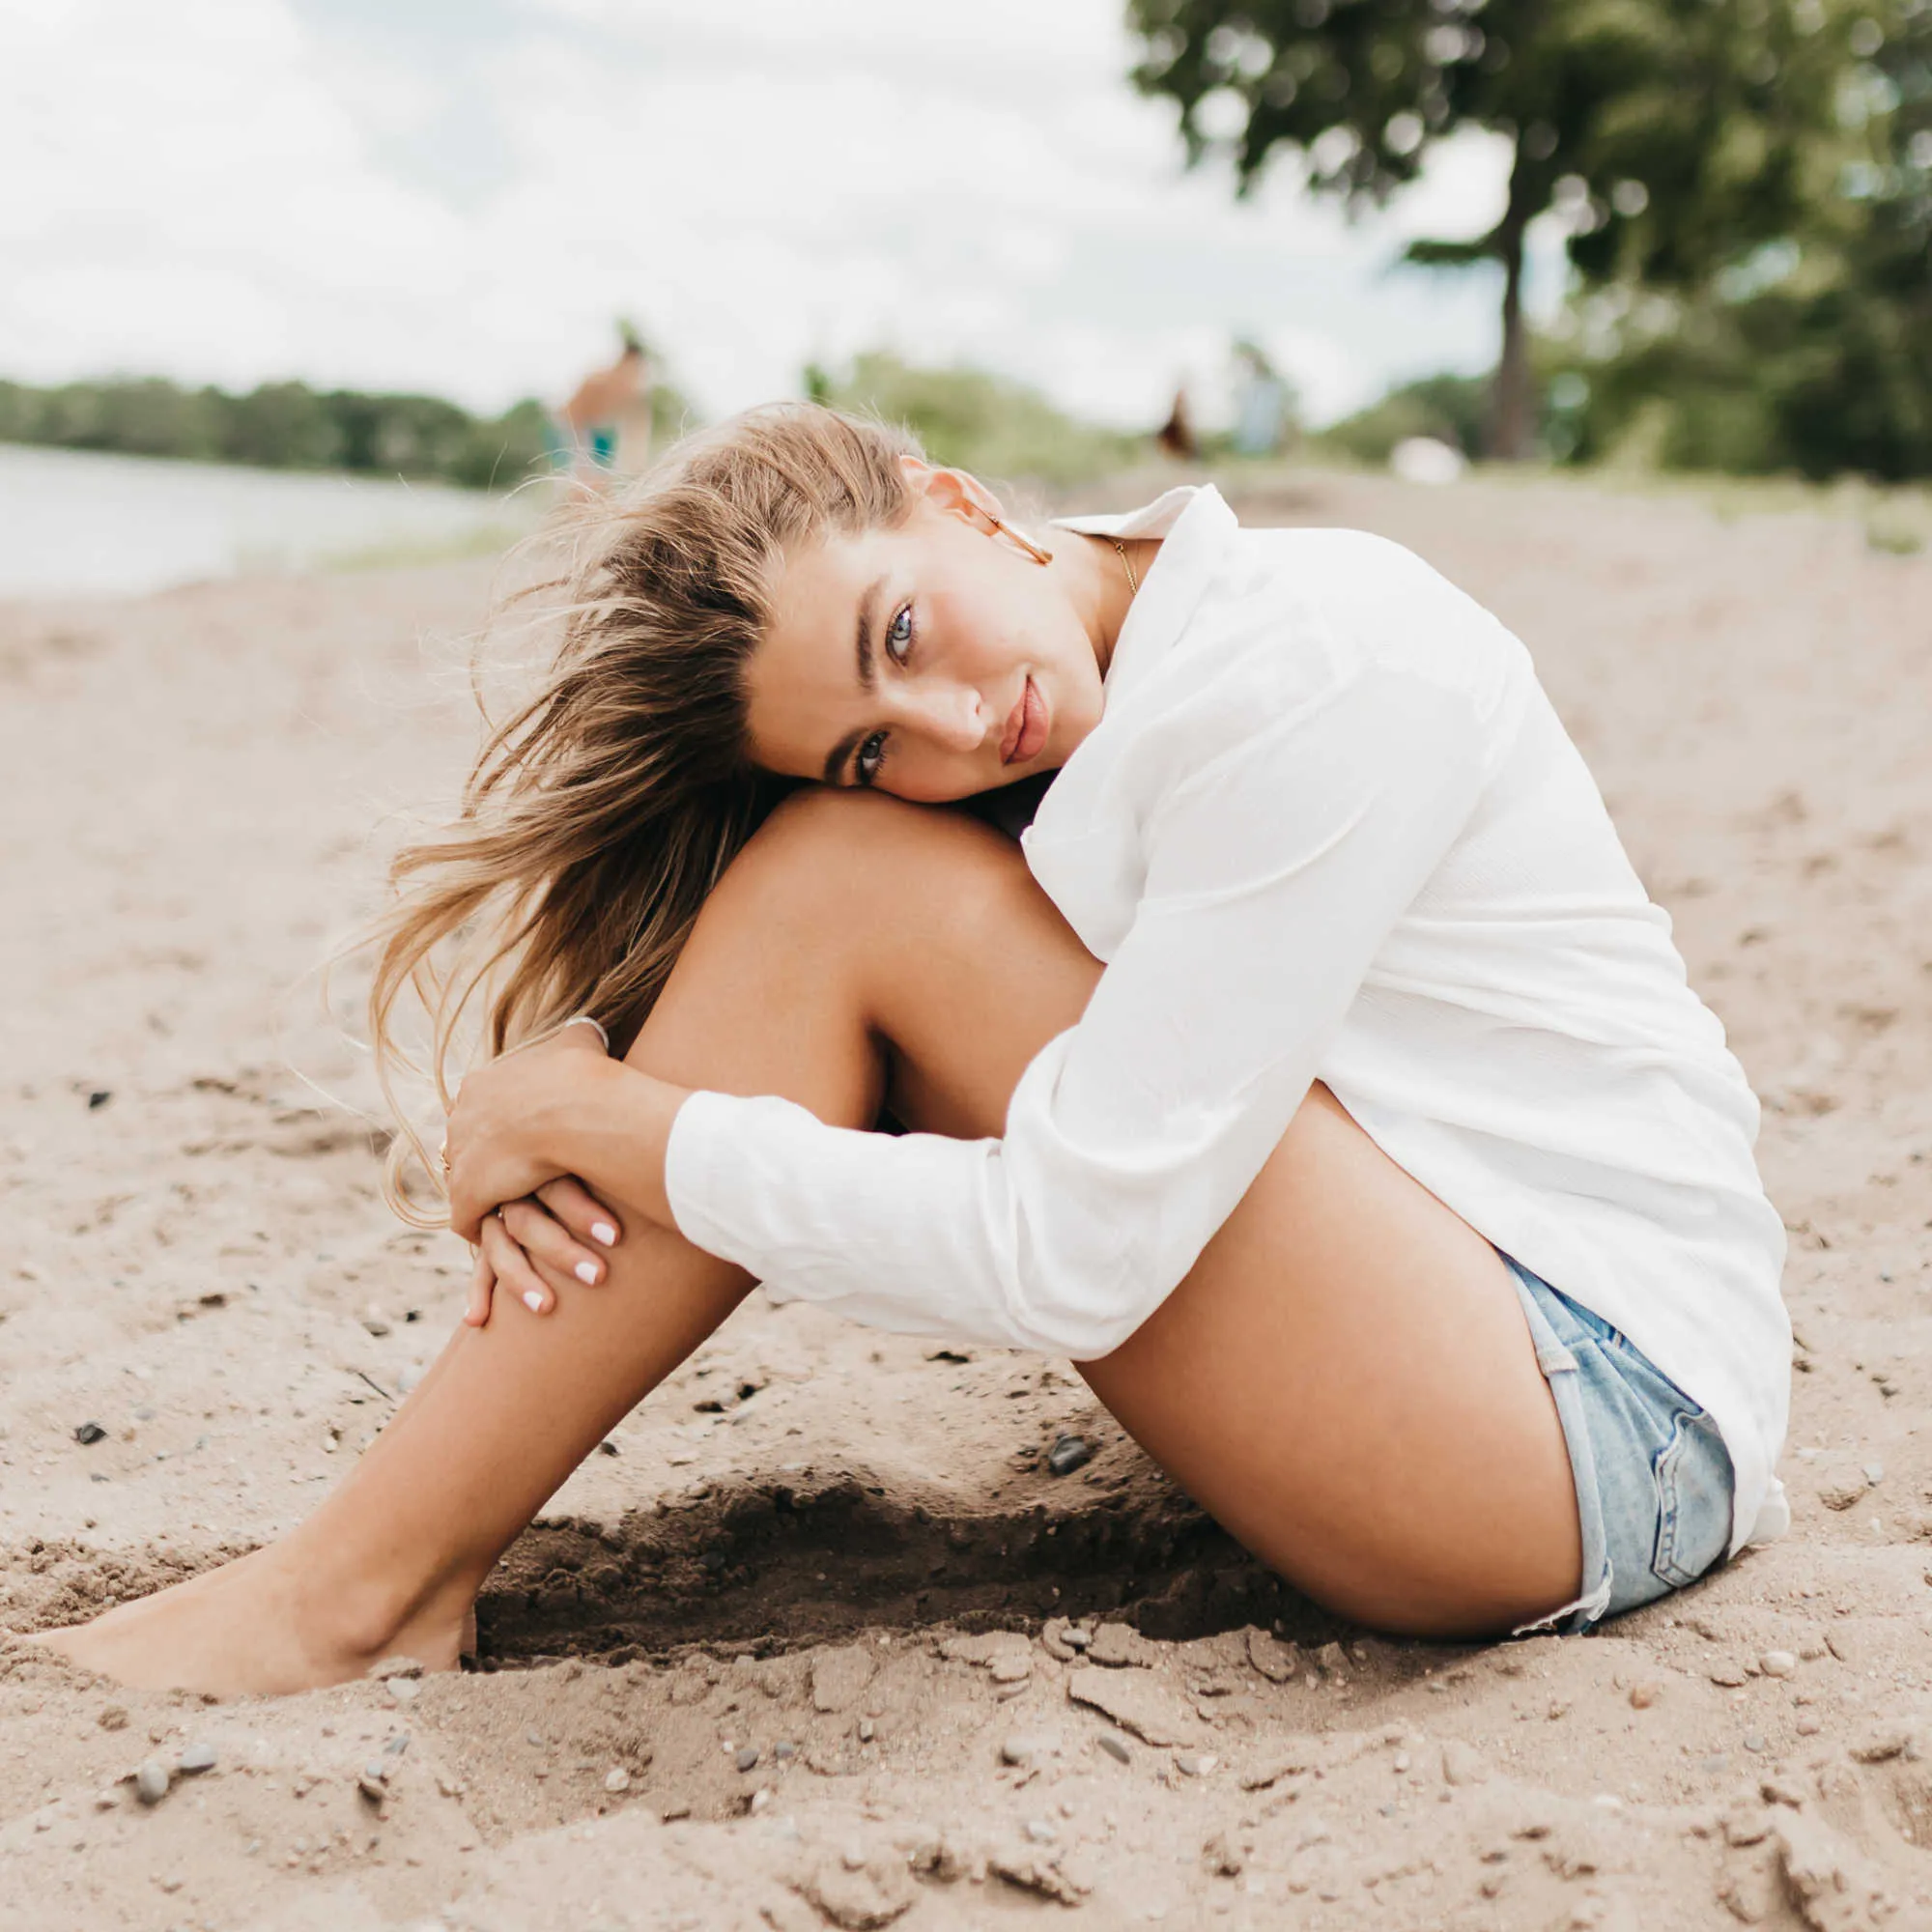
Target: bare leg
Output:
[(1344, 1379)]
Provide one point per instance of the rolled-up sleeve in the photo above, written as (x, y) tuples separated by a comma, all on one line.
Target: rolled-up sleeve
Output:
[(1273, 875)]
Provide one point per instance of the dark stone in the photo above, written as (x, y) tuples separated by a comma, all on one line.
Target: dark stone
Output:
[(99, 1098), (748, 1758), (1115, 1747), (88, 1433), (1067, 1454)]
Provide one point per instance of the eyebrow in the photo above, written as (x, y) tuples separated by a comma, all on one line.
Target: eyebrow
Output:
[(841, 754)]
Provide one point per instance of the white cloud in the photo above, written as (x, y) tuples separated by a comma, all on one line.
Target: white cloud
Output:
[(460, 197)]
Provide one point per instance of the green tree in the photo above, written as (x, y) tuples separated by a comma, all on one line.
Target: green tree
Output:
[(1669, 136), (1814, 352), (1449, 408)]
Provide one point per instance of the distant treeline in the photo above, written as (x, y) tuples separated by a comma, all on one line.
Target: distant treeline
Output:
[(989, 424), (282, 426)]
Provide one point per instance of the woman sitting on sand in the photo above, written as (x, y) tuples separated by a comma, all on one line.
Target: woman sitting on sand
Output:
[(1314, 1072)]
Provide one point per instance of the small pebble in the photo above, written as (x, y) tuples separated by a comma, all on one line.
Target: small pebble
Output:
[(747, 1759), (619, 1779), (88, 1433), (1115, 1747), (99, 1098), (1874, 1472), (1115, 1645), (868, 1730), (1807, 1727), (782, 1752), (1754, 1741), (404, 1690), (1041, 1831), (1779, 1663), (1644, 1695), (374, 1783), (197, 1758), (1021, 1752), (151, 1781), (1067, 1454), (1195, 1764)]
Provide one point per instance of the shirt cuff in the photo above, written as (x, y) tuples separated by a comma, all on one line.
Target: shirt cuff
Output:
[(695, 1177)]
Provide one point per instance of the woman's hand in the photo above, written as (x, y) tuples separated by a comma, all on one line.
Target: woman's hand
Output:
[(536, 1245), (534, 1226)]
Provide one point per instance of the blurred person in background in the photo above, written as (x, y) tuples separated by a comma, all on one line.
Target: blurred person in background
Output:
[(1176, 437), (605, 428), (1263, 403)]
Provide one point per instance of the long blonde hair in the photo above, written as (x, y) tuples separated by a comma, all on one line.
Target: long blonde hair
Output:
[(601, 813)]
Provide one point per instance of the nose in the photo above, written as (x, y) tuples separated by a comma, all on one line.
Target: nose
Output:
[(953, 716)]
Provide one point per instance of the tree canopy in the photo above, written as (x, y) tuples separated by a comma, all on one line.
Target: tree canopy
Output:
[(1667, 135), (1814, 352)]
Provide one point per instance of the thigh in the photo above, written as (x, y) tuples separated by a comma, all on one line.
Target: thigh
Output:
[(1345, 1379), (1346, 1383)]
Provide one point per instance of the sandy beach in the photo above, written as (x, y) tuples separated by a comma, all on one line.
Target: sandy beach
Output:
[(820, 1639)]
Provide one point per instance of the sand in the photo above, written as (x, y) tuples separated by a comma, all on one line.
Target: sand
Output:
[(822, 1640)]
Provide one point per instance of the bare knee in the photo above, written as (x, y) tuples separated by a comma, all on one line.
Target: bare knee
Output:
[(845, 861)]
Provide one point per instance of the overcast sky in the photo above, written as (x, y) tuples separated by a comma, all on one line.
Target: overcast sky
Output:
[(458, 195)]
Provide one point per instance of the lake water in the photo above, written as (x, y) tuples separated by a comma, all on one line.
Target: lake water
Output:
[(74, 522)]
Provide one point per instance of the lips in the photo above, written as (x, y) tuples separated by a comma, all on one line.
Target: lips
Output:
[(1025, 734)]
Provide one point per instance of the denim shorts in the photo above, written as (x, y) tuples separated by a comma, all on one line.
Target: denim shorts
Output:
[(1653, 1480)]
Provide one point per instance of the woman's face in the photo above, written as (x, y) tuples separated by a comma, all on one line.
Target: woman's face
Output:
[(931, 661)]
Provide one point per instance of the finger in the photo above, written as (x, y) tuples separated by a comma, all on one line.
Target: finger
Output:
[(516, 1270), (465, 1213), (548, 1243), (482, 1281), (581, 1211)]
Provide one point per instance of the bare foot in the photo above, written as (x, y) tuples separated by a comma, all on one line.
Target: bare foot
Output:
[(261, 1626)]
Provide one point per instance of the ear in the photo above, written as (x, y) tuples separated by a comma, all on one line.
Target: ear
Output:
[(952, 492)]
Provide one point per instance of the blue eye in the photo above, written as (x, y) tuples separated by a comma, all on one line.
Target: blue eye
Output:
[(871, 754), (898, 634)]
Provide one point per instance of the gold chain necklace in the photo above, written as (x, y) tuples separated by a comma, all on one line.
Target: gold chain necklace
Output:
[(1126, 564)]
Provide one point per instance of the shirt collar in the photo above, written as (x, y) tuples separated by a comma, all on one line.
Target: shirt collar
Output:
[(1194, 525)]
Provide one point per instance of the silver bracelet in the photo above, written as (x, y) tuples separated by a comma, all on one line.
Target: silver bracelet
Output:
[(595, 1025)]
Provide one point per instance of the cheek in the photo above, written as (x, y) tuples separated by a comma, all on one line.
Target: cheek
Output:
[(984, 631)]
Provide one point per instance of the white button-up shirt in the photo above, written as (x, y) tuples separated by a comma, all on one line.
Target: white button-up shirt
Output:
[(1328, 827)]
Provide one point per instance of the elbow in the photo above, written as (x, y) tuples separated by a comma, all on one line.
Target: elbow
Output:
[(1081, 1331), (1097, 1343)]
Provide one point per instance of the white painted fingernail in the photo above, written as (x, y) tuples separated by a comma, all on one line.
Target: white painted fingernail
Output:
[(533, 1301), (587, 1273), (602, 1231)]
